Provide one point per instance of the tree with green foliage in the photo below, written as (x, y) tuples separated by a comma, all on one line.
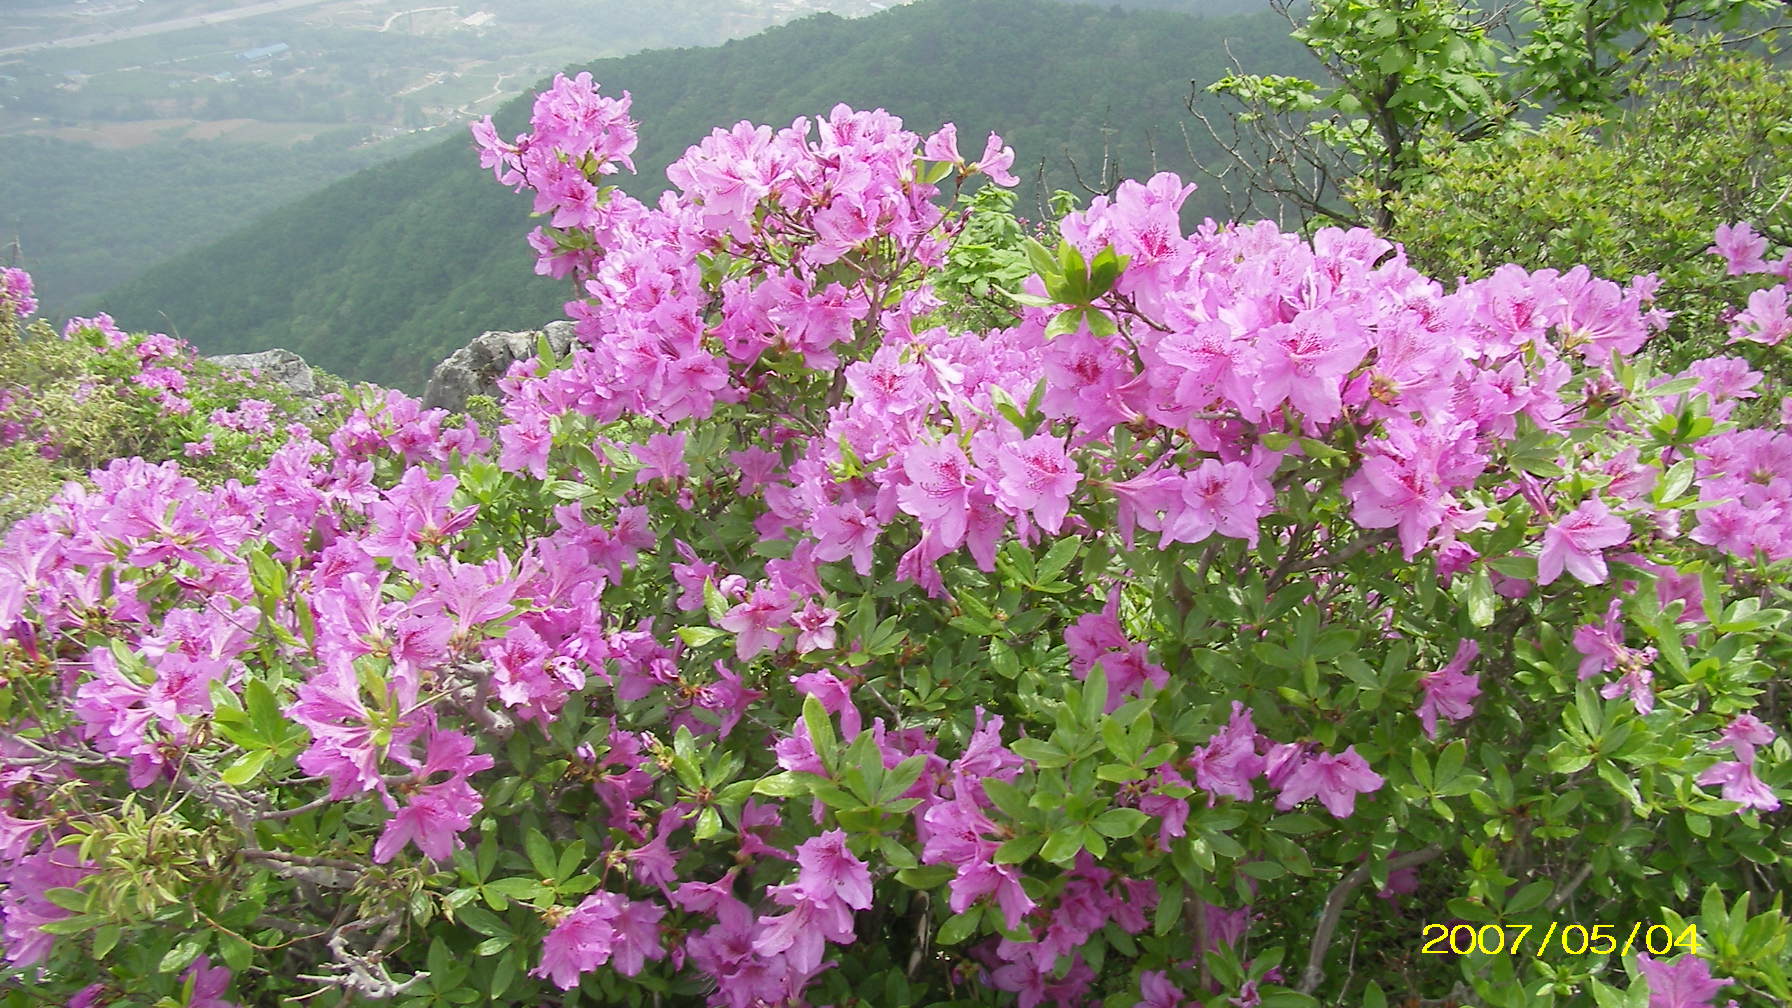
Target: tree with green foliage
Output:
[(1400, 76), (1701, 141)]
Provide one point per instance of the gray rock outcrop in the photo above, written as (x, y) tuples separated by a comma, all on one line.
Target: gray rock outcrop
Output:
[(475, 368), (283, 367)]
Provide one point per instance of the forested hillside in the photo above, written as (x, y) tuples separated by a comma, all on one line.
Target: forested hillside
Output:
[(86, 221), (380, 275)]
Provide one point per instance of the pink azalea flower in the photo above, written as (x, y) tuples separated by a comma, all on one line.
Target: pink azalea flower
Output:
[(604, 926), (1685, 983), (1156, 991), (1741, 248), (1741, 785), (662, 457), (943, 146), (16, 294), (23, 905), (758, 622), (1450, 691), (996, 161), (1335, 780), (1225, 497), (1636, 681), (815, 628), (1577, 543), (803, 933), (986, 878), (1766, 319), (1229, 761), (209, 984), (1742, 735), (828, 871), (1037, 475), (938, 491), (437, 812)]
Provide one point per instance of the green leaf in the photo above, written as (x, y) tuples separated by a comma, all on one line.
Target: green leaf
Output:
[(105, 939), (517, 887), (181, 955), (927, 876), (697, 636), (1040, 258), (714, 605), (1120, 823), (960, 926), (900, 778), (821, 729), (1057, 559), (709, 824), (788, 784), (1095, 696), (1019, 849), (1007, 797), (1479, 599), (1529, 898), (72, 900), (1169, 911), (264, 710), (541, 853), (1449, 762), (236, 953), (245, 768), (1063, 845), (1265, 870), (482, 921), (1064, 323)]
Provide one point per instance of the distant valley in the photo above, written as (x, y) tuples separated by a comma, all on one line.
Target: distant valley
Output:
[(131, 130), (382, 273)]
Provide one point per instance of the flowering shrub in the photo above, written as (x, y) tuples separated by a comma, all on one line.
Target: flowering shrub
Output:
[(73, 402), (1238, 606)]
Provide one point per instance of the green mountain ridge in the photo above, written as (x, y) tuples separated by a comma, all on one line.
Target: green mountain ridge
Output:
[(382, 274)]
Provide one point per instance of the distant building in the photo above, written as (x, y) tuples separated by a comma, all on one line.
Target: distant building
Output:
[(478, 19), (266, 52)]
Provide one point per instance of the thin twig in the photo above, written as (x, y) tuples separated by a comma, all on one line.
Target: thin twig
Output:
[(1334, 910)]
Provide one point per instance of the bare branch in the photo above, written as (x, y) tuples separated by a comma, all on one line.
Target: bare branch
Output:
[(1334, 910)]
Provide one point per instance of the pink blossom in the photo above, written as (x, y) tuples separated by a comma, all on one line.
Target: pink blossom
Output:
[(209, 983), (1577, 543), (1156, 991), (1686, 983), (938, 491), (662, 457), (1450, 691), (605, 925), (1225, 497), (758, 622), (1229, 761), (942, 146), (23, 905), (1741, 248), (1038, 476), (1741, 785), (1742, 735), (1335, 780), (16, 294), (828, 871), (996, 161), (1766, 320)]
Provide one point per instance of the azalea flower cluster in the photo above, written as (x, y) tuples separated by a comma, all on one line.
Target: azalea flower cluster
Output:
[(672, 590), (16, 293)]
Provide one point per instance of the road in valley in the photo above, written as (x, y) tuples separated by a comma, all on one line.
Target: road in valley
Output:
[(161, 27)]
